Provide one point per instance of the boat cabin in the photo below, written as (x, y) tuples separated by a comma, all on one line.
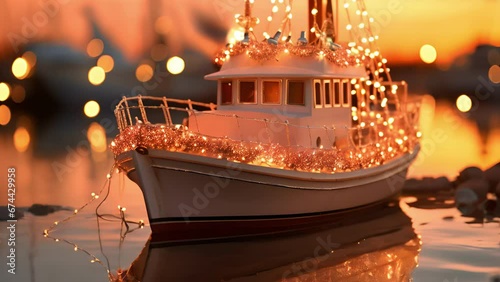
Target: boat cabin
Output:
[(306, 93)]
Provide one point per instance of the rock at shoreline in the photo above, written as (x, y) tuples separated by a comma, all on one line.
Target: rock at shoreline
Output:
[(470, 194), (427, 185), (471, 172), (492, 174), (40, 210)]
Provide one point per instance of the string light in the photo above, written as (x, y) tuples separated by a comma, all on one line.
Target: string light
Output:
[(181, 139), (94, 259)]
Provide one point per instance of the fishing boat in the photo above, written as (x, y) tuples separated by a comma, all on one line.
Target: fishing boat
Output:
[(301, 131)]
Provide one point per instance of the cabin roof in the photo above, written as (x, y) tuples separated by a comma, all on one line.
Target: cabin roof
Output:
[(285, 66)]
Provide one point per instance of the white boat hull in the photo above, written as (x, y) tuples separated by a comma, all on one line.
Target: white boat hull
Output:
[(188, 194)]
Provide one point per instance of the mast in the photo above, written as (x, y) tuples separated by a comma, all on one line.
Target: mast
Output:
[(324, 12)]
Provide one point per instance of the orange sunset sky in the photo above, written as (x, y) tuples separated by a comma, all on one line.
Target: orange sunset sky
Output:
[(454, 27)]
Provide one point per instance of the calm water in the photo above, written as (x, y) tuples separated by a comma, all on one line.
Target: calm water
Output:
[(452, 249)]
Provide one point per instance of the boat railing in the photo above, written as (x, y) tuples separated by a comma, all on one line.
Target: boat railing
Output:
[(397, 128), (128, 106)]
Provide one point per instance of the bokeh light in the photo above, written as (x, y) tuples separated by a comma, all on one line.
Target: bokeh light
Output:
[(428, 54), (234, 35), (106, 62), (4, 115), (159, 52), (163, 25), (91, 109), (464, 103), (20, 68), (494, 73), (30, 57), (97, 75), (175, 65), (4, 91), (97, 137), (95, 47), (21, 139), (18, 94), (144, 72)]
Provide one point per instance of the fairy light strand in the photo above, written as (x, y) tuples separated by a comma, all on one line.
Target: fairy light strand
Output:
[(387, 138), (47, 233)]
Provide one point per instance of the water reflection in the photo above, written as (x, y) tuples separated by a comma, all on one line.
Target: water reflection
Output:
[(380, 244)]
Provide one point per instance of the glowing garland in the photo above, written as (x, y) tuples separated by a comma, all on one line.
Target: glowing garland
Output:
[(263, 51), (181, 139)]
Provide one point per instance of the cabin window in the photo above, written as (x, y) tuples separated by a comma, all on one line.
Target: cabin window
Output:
[(328, 93), (336, 93), (317, 93), (247, 92), (346, 93), (295, 94), (271, 92), (226, 92)]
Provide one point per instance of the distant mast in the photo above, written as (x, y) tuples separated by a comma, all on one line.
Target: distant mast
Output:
[(324, 12)]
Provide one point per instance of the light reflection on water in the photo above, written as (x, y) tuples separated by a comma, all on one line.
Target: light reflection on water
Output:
[(452, 250)]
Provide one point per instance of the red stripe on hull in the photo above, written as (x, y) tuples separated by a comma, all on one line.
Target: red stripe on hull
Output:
[(179, 231)]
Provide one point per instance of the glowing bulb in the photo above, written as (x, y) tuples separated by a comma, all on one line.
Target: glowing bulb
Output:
[(428, 54), (314, 11), (175, 65), (96, 75), (20, 68), (383, 103), (464, 103), (4, 91), (91, 109)]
